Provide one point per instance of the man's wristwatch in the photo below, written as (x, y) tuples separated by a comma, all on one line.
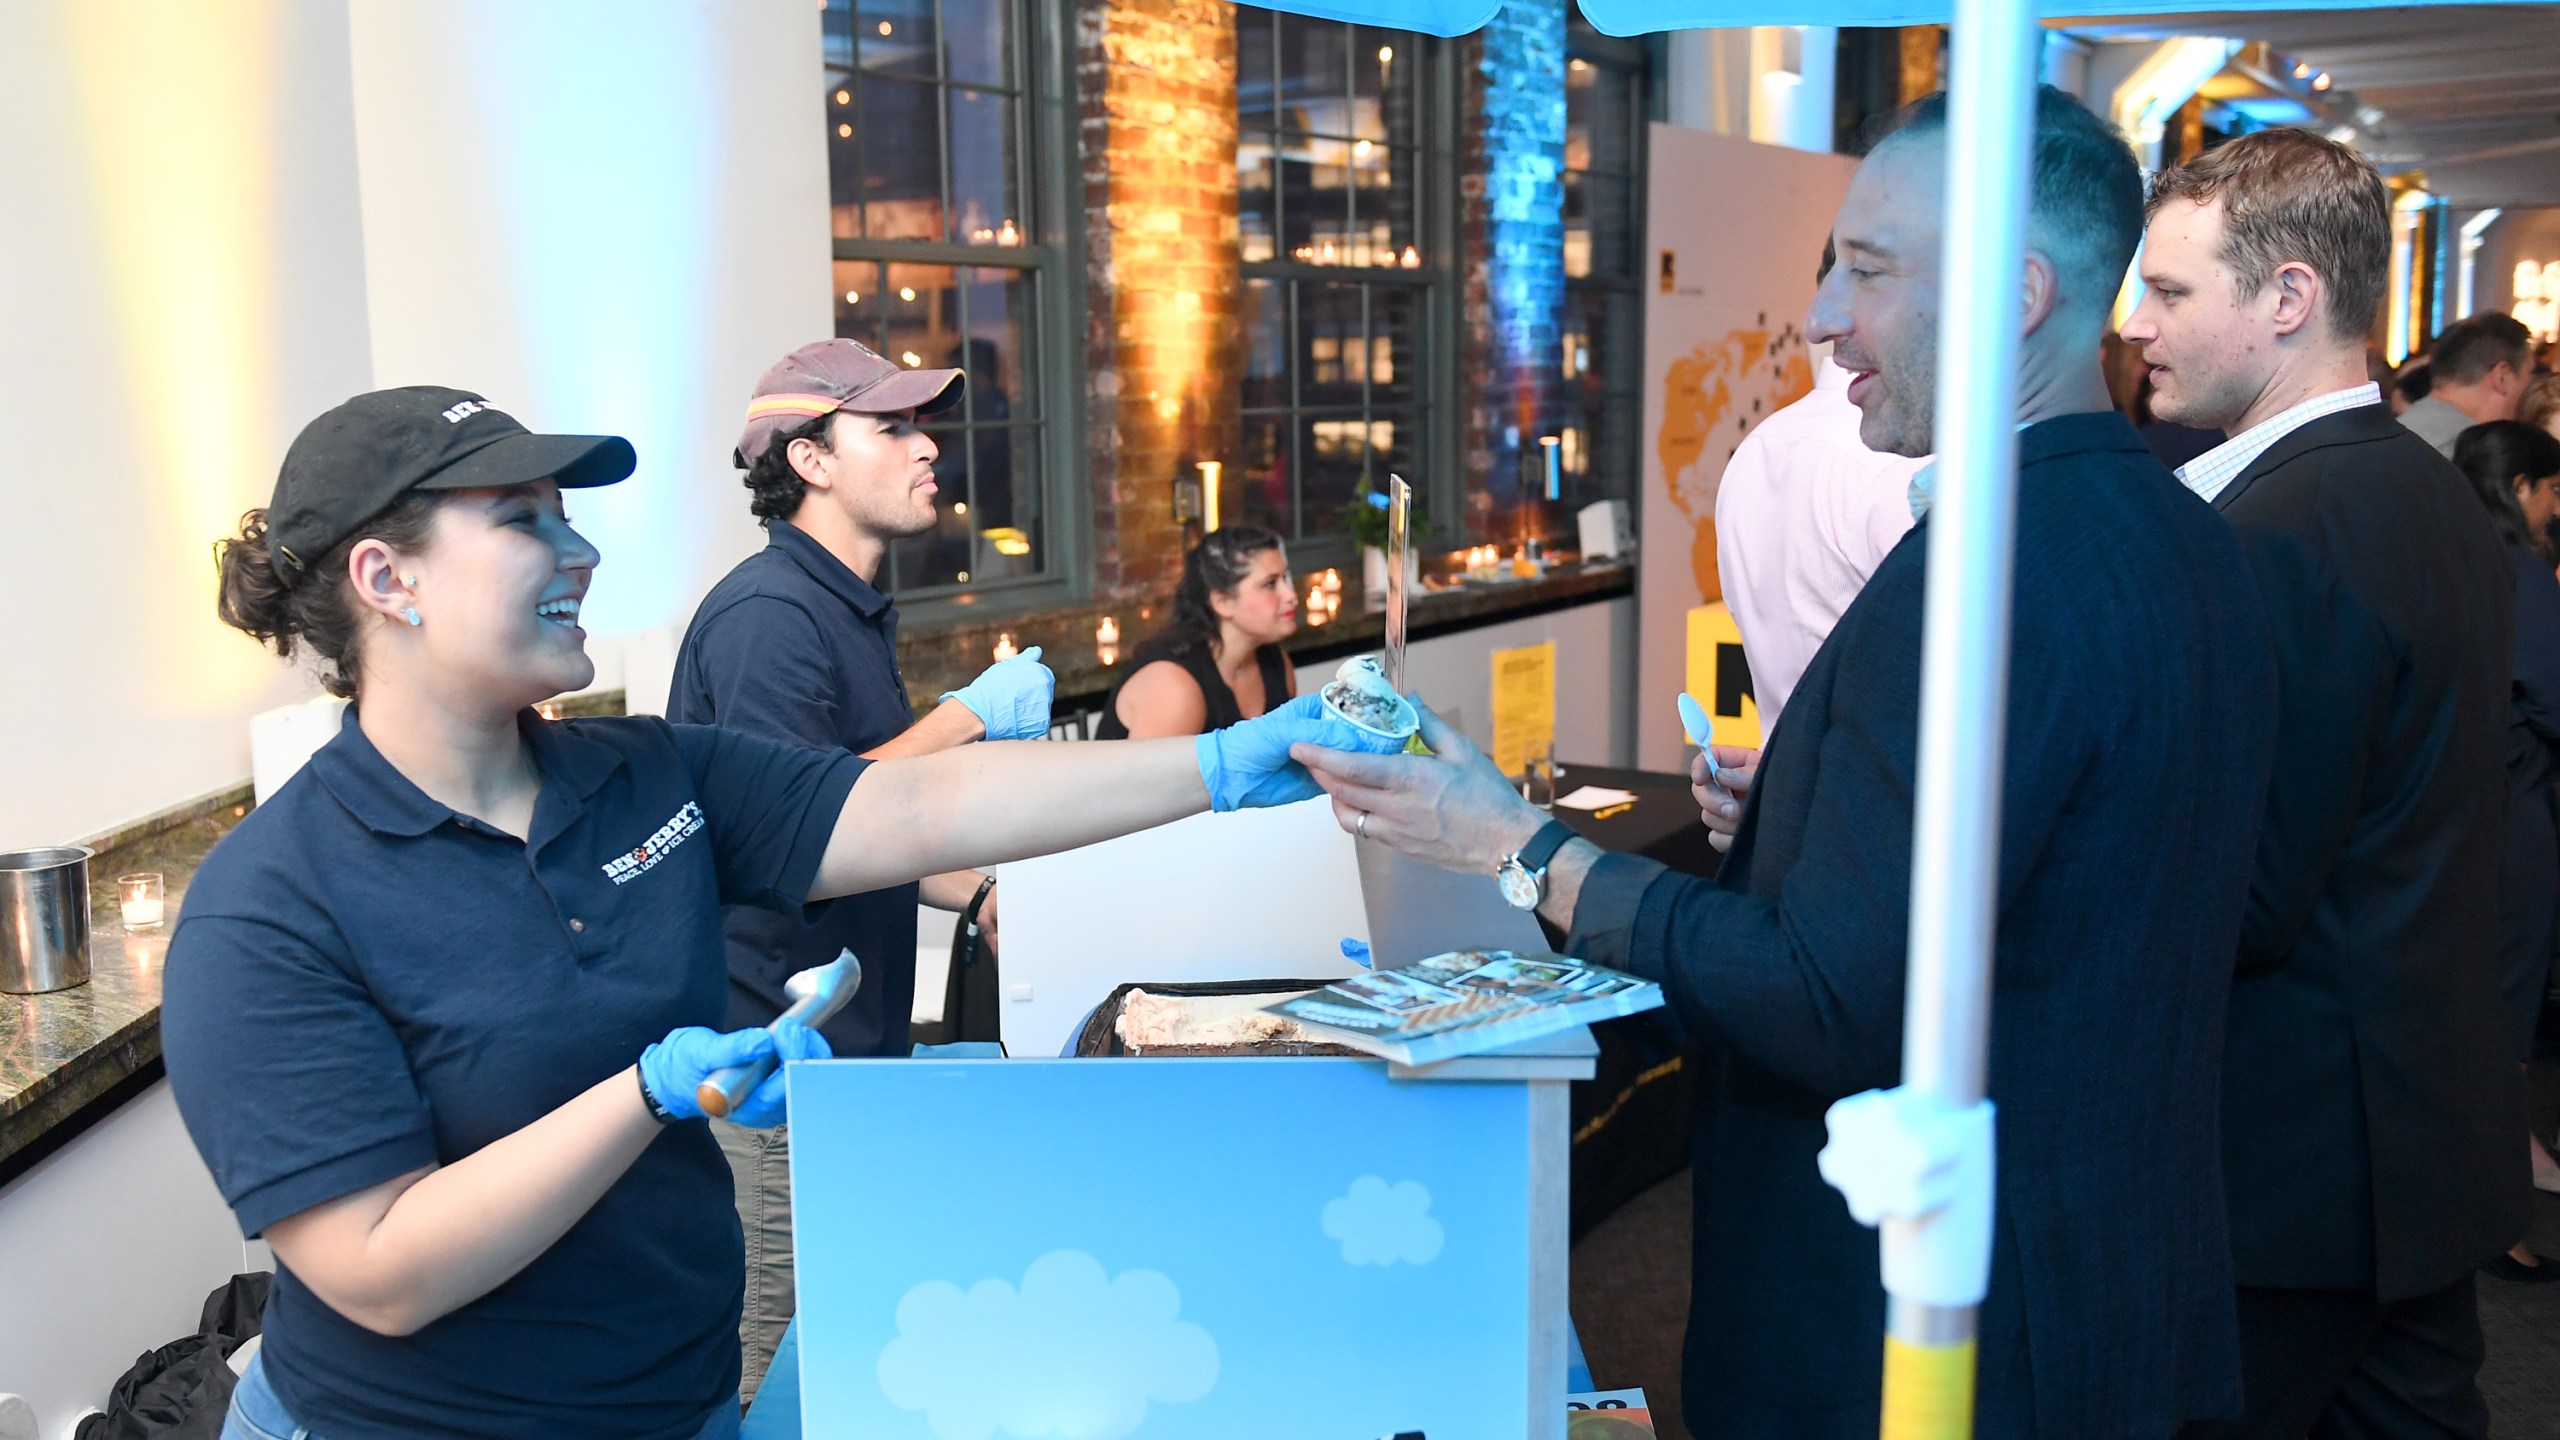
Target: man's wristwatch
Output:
[(1523, 876)]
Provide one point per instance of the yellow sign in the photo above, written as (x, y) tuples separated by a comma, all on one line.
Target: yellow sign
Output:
[(1720, 677), (1524, 705)]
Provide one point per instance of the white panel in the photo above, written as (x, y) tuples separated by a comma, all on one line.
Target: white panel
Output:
[(107, 1249), (1253, 894), (1595, 677)]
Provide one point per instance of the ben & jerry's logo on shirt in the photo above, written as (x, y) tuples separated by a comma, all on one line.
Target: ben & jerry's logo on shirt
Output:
[(623, 869)]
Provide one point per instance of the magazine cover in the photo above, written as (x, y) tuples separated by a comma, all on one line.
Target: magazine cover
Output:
[(1467, 1002)]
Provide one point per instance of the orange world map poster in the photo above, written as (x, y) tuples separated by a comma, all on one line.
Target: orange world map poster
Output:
[(1724, 349)]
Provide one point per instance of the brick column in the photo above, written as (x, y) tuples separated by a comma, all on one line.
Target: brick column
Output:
[(1512, 212), (1157, 81)]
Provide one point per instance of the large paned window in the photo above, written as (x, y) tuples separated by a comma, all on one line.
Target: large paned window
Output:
[(1603, 325), (939, 263), (1342, 291)]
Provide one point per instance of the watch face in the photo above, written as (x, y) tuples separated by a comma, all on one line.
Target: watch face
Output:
[(1519, 887)]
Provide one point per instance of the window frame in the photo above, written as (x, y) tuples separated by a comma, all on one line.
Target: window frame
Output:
[(1433, 284), (1635, 61), (1051, 253)]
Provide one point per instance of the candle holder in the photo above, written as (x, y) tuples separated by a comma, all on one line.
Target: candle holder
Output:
[(143, 901)]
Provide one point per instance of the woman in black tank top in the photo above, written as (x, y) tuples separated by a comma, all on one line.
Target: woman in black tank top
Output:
[(1218, 660)]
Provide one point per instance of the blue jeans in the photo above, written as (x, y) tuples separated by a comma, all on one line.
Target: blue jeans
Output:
[(256, 1414)]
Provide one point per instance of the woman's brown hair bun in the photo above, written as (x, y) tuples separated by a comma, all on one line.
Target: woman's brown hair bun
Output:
[(317, 614)]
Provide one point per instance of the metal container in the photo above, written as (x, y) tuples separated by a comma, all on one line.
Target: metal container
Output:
[(44, 919)]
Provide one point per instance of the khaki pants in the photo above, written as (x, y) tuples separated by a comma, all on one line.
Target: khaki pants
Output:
[(760, 1175)]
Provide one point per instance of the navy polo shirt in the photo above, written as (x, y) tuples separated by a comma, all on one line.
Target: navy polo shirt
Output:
[(793, 645), (365, 983)]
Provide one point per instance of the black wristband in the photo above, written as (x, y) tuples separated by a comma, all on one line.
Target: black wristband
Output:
[(1542, 847), (657, 1112), (969, 917)]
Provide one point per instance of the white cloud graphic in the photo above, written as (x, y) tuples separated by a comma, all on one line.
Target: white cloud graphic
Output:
[(1380, 1224), (1075, 1353)]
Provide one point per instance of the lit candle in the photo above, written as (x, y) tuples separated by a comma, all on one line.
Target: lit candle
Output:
[(142, 900), (1554, 446), (1107, 633), (1333, 585), (1209, 472), (1005, 648), (1315, 601)]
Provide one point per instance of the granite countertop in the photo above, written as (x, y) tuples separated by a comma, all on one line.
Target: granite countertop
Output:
[(64, 1050), (937, 664)]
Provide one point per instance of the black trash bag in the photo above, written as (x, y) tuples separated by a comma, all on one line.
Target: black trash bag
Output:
[(182, 1390), (237, 1310), (177, 1392)]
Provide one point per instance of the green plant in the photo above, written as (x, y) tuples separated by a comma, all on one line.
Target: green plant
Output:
[(1366, 516)]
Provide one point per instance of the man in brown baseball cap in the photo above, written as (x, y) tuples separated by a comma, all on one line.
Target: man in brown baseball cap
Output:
[(797, 644)]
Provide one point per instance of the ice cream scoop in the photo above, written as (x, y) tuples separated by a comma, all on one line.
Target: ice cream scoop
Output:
[(1359, 693), (816, 995)]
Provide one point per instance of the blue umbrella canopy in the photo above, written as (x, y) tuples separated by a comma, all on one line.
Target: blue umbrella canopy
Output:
[(1643, 17)]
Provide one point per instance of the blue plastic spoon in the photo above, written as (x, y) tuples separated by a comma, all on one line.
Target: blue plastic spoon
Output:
[(1693, 718)]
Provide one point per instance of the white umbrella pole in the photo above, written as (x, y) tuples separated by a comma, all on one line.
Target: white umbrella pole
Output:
[(1964, 656), (1920, 1158)]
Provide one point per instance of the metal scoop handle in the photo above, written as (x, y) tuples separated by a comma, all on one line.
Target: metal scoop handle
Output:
[(728, 1088)]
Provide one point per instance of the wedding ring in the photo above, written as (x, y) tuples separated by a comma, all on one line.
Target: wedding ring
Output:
[(1361, 827)]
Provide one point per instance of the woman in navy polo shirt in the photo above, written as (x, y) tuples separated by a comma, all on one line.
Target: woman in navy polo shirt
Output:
[(435, 1013)]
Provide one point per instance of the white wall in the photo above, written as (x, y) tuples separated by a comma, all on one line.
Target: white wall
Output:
[(184, 287), (609, 218), (222, 219), (108, 1248)]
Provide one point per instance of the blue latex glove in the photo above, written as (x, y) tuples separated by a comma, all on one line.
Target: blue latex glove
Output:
[(676, 1067), (1012, 697), (1247, 765)]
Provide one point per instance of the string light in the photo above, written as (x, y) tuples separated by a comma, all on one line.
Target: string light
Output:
[(907, 292), (844, 97), (912, 358), (884, 27), (844, 132), (853, 297)]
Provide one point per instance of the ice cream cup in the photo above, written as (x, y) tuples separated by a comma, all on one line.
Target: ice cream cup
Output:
[(1408, 722)]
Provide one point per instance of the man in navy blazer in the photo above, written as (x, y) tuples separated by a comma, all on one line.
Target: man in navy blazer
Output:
[(2373, 1121), (2140, 715)]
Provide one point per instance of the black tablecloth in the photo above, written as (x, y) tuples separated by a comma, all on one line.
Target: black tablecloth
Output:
[(1631, 1118)]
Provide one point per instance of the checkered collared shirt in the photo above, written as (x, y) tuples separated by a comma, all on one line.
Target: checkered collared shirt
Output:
[(2212, 472)]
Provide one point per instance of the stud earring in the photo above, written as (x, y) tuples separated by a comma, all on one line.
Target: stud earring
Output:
[(411, 615)]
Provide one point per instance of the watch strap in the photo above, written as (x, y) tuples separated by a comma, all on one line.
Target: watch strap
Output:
[(1542, 847)]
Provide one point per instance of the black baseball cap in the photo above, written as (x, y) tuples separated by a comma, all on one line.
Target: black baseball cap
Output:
[(350, 464)]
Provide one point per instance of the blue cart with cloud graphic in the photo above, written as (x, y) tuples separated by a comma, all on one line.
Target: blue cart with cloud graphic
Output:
[(1234, 1248)]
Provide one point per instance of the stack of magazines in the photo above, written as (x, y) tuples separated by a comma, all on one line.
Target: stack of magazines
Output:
[(1465, 1003)]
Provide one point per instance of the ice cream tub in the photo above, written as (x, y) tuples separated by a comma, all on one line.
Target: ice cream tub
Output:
[(1360, 695)]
